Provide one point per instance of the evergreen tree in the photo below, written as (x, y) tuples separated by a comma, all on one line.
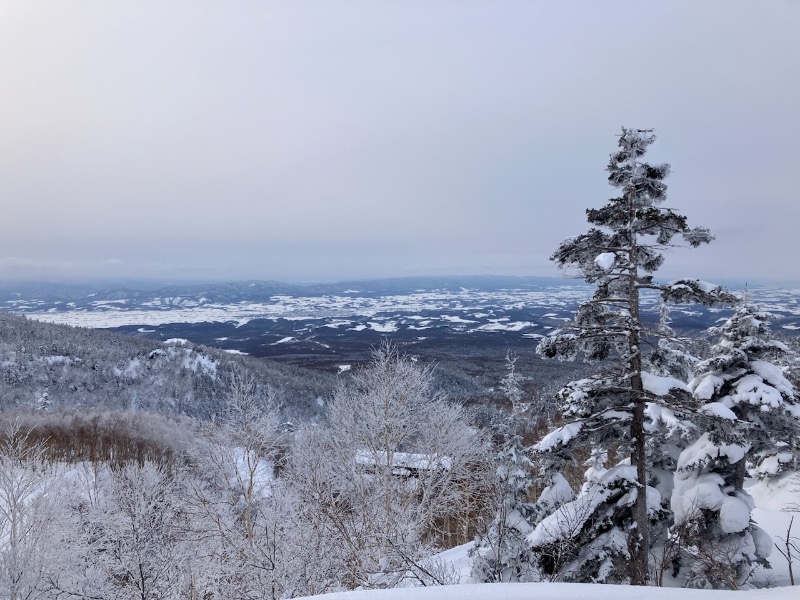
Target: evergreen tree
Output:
[(743, 384), (619, 254), (754, 415), (586, 540), (503, 553)]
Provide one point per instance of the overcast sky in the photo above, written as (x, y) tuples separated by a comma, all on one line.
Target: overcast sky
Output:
[(331, 140)]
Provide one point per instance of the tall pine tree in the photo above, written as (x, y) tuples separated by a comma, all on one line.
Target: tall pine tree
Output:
[(619, 254)]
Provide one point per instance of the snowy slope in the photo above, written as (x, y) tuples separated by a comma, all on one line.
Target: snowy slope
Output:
[(556, 591), (774, 500), (777, 501)]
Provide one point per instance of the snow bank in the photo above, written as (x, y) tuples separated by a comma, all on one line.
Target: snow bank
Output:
[(605, 261), (559, 437), (556, 591), (661, 386)]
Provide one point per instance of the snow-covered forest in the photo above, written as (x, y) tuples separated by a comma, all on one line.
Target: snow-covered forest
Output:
[(128, 471)]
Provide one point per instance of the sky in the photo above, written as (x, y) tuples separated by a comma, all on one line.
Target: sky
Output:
[(350, 139)]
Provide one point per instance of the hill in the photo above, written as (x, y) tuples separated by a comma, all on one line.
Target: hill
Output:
[(47, 365)]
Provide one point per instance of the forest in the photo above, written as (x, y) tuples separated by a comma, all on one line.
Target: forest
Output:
[(134, 469)]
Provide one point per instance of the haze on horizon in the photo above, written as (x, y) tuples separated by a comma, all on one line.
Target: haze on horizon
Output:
[(321, 141)]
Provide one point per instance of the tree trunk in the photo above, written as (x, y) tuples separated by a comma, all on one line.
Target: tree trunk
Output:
[(739, 474), (639, 539)]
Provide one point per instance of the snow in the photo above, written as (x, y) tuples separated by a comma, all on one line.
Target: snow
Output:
[(262, 477), (705, 386), (763, 542), (558, 492), (496, 325), (717, 409), (388, 327), (605, 261), (555, 591), (560, 436), (130, 371), (661, 386), (658, 415), (773, 374), (753, 390), (771, 497), (704, 286), (775, 498), (734, 516), (57, 360), (404, 462), (695, 491), (570, 518), (772, 465), (337, 324), (514, 520), (704, 449), (455, 319), (201, 363)]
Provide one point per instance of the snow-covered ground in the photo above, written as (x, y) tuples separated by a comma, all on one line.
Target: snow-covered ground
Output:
[(777, 501), (556, 591), (298, 308), (774, 500)]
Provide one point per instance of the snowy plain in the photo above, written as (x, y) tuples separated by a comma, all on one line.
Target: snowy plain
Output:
[(529, 313)]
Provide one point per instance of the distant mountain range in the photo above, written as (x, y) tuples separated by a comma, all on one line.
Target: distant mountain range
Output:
[(86, 293)]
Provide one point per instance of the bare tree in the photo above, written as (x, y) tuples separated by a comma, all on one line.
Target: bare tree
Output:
[(790, 549)]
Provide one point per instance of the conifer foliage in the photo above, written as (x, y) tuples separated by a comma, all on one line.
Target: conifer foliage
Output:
[(753, 413), (502, 553), (619, 254)]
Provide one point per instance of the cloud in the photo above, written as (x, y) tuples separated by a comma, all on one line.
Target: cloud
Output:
[(306, 140)]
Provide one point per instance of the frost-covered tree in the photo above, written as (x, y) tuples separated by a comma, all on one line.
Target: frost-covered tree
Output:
[(139, 550), (743, 384), (502, 552), (249, 526), (394, 464), (620, 254), (586, 539), (511, 384), (28, 491), (753, 416)]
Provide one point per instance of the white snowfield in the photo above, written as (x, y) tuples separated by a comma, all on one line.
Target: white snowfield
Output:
[(558, 591)]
